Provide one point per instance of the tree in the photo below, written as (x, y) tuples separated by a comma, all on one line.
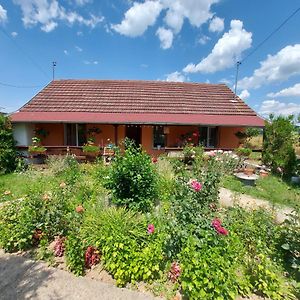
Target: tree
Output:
[(8, 151), (278, 150)]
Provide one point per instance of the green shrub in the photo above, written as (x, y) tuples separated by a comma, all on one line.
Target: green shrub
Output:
[(278, 150), (210, 267), (8, 152), (133, 179), (74, 254), (129, 253), (44, 212), (243, 151)]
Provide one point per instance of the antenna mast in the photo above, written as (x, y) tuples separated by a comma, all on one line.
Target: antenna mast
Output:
[(53, 69), (238, 63)]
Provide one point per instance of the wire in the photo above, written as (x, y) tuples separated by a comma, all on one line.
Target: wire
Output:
[(25, 53), (21, 86), (270, 35)]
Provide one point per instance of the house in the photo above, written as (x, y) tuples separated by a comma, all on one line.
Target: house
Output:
[(161, 116)]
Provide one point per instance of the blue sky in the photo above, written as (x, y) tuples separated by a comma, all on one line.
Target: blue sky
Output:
[(175, 40)]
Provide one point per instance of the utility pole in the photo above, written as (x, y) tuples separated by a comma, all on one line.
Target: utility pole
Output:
[(238, 63), (53, 69)]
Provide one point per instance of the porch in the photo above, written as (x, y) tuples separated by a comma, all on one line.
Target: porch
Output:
[(68, 138)]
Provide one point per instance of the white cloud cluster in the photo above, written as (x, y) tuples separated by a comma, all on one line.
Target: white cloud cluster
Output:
[(165, 36), (203, 39), (47, 13), (244, 94), (3, 14), (175, 77), (82, 2), (89, 62), (140, 16), (275, 68), (293, 91), (216, 25), (14, 34), (279, 108), (226, 51)]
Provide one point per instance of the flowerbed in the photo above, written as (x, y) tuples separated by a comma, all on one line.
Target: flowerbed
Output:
[(159, 222)]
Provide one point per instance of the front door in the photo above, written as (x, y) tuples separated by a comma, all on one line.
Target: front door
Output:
[(134, 133)]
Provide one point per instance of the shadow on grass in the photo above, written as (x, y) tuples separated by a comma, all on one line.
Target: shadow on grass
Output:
[(20, 278)]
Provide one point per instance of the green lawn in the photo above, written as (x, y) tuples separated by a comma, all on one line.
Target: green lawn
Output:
[(270, 188), (21, 184)]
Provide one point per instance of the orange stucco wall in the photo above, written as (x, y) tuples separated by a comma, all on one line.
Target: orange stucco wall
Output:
[(226, 135), (227, 138), (55, 136)]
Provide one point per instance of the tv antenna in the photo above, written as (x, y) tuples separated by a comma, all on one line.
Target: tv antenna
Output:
[(54, 63)]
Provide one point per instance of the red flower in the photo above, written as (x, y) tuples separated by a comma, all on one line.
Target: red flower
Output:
[(79, 209), (217, 224), (154, 160), (175, 271), (151, 228), (197, 186), (195, 134), (91, 257)]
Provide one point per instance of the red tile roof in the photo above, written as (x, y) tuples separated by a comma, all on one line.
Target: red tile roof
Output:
[(129, 101)]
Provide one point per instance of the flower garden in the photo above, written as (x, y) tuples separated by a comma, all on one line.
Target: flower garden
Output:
[(155, 221)]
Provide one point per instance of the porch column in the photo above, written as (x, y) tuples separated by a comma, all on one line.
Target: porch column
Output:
[(116, 134)]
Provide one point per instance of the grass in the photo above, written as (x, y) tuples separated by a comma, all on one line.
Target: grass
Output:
[(17, 185), (270, 188)]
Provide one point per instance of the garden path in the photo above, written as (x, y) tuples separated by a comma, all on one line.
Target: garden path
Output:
[(22, 278), (229, 198)]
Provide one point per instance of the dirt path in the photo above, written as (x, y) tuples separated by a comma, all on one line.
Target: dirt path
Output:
[(229, 198), (22, 278)]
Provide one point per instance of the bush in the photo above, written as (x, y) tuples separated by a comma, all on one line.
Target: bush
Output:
[(211, 267), (129, 253), (8, 152), (278, 150), (243, 151), (25, 221), (133, 179)]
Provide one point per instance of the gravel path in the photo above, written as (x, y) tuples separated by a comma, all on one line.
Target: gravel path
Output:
[(229, 198), (22, 278)]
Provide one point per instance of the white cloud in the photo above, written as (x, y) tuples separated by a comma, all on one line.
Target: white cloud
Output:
[(3, 14), (78, 49), (279, 108), (165, 36), (138, 18), (278, 67), (216, 25), (14, 34), (226, 51), (79, 33), (144, 65), (226, 81), (175, 77), (66, 52), (47, 13), (293, 91), (82, 2), (203, 39), (197, 12), (244, 94), (88, 62)]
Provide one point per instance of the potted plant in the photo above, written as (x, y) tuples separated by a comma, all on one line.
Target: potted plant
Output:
[(37, 151), (90, 148)]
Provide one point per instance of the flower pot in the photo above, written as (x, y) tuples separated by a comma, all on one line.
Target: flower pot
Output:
[(263, 173), (249, 171)]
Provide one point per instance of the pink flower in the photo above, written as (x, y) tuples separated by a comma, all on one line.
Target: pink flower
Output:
[(154, 160), (151, 228), (217, 224), (211, 153), (79, 209), (175, 271), (197, 186)]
